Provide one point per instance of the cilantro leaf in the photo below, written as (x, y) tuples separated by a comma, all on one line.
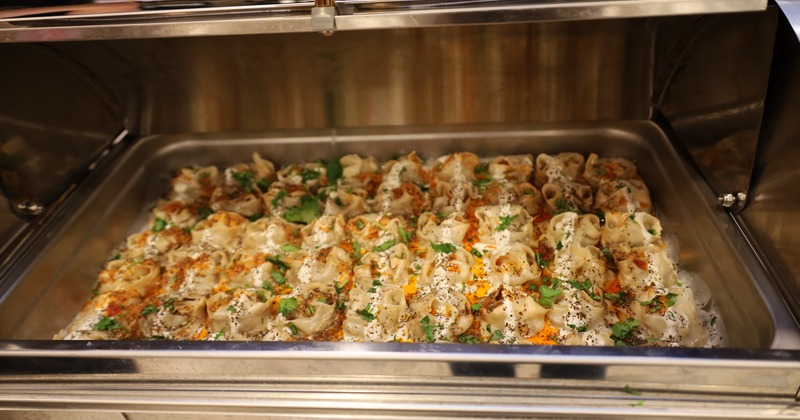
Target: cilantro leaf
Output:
[(446, 248), (621, 331), (475, 307), (149, 309), (309, 174), (287, 305), (497, 335), (245, 179), (547, 296), (289, 248), (505, 222), (366, 313), (263, 184), (428, 328), (541, 262), (306, 212), (385, 246), (159, 225), (279, 277), (276, 261), (405, 234), (279, 198), (563, 206), (628, 390), (334, 170), (108, 324), (586, 286), (360, 224), (482, 168), (468, 339), (476, 253)]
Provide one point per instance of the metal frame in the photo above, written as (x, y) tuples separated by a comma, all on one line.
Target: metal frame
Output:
[(84, 23)]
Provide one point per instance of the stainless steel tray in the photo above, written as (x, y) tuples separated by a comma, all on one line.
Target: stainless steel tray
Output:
[(50, 284)]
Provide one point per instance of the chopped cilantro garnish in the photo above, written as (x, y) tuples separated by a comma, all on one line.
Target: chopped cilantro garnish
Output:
[(559, 245), (652, 232), (578, 328), (149, 309), (621, 331), (468, 339), (360, 224), (334, 170), (357, 249), (108, 324), (475, 307), (279, 198), (482, 168), (263, 184), (586, 286), (261, 295), (607, 253), (497, 335), (339, 287), (385, 246), (428, 328), (366, 313), (255, 217), (657, 303), (547, 296), (563, 206), (305, 212), (293, 328), (505, 222), (159, 225), (446, 248), (231, 308), (482, 183), (278, 277), (289, 248), (287, 305), (476, 253), (309, 174), (276, 261), (170, 304), (340, 305), (600, 170), (628, 390), (405, 234), (541, 262), (245, 179)]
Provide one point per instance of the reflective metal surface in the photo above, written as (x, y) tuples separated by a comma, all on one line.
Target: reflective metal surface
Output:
[(711, 90), (557, 71), (127, 20), (774, 211)]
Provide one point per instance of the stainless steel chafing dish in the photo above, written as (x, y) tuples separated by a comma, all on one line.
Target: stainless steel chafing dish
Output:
[(100, 101)]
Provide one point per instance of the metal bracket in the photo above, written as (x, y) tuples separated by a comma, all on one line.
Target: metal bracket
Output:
[(732, 201), (323, 17)]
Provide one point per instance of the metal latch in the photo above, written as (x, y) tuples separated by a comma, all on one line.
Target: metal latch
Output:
[(323, 17)]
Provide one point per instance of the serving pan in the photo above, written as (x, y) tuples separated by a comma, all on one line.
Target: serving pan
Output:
[(49, 284)]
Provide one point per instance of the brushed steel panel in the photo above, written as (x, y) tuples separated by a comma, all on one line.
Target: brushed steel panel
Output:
[(773, 215), (561, 71), (60, 21)]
